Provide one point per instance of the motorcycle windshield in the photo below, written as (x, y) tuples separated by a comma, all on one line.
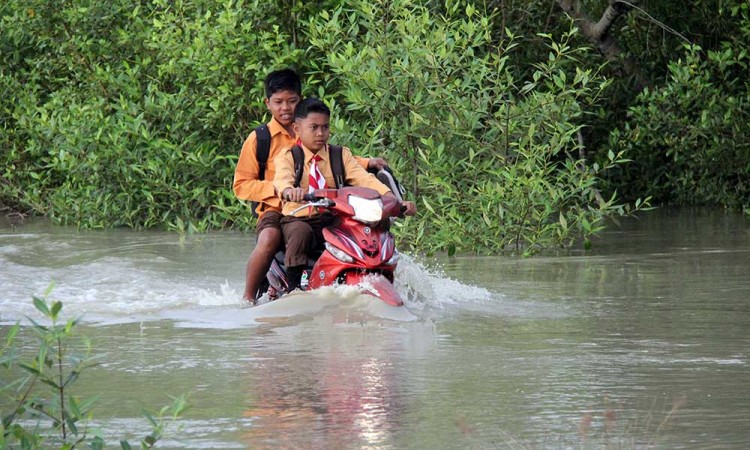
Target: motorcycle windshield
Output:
[(369, 211)]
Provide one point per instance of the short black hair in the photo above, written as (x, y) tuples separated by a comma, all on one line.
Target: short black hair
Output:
[(282, 80), (311, 105)]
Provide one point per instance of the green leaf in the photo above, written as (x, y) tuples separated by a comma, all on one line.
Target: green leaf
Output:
[(49, 288), (56, 307), (87, 404), (50, 383), (12, 331), (29, 368), (72, 377), (150, 419), (73, 406), (41, 306), (427, 204)]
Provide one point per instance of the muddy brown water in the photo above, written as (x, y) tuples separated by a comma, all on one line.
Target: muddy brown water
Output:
[(643, 341)]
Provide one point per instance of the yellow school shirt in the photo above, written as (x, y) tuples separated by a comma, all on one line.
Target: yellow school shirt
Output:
[(247, 185), (355, 175)]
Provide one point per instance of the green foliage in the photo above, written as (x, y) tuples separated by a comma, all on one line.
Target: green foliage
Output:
[(127, 113), (493, 161), (131, 113), (654, 33), (44, 413), (652, 37), (690, 139)]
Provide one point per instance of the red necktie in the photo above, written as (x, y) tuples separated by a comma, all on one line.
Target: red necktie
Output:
[(316, 179)]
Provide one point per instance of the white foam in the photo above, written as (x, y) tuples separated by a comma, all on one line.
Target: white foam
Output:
[(110, 278), (425, 288), (346, 302)]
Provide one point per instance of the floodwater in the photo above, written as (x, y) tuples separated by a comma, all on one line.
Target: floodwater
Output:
[(641, 342)]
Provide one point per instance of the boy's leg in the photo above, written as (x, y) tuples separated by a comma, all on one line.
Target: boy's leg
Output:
[(320, 222), (269, 241), (298, 238)]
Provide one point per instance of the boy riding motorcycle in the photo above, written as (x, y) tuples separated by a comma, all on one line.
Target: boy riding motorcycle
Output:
[(253, 176), (302, 232)]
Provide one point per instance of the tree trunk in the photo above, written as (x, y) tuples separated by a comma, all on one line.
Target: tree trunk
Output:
[(599, 33)]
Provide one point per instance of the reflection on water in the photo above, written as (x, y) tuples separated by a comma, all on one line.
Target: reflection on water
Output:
[(640, 342), (342, 391)]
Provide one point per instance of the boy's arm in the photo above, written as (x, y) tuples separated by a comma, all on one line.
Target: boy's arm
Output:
[(246, 184), (371, 163), (284, 177), (362, 161), (356, 175)]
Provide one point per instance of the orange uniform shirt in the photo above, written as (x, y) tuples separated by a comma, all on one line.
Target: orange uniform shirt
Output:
[(246, 184), (356, 175)]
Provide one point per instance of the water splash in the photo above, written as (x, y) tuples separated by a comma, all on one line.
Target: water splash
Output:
[(132, 277), (424, 288)]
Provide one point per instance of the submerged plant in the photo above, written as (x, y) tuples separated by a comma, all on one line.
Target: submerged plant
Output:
[(603, 426), (42, 412)]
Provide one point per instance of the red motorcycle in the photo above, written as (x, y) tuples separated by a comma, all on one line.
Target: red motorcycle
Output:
[(359, 247)]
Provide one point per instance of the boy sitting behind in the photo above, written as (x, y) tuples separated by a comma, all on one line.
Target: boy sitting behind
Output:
[(283, 90), (303, 232)]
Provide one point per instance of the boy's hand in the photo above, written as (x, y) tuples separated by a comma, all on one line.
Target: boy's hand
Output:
[(293, 194), (377, 163), (411, 208)]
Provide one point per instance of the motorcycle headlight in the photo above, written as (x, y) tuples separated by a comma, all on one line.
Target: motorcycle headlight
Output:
[(366, 210), (338, 253)]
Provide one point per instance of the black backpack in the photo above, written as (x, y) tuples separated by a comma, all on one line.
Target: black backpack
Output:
[(262, 148), (337, 164), (385, 175)]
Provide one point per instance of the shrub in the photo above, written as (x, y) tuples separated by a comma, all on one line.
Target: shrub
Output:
[(689, 139), (41, 400), (493, 161), (131, 114), (127, 113)]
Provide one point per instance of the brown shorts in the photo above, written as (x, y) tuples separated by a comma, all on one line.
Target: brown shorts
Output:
[(270, 219), (302, 235)]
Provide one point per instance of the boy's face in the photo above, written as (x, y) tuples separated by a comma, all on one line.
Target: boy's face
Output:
[(282, 104), (313, 131)]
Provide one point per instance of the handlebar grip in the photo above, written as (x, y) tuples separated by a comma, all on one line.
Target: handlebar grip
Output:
[(309, 197)]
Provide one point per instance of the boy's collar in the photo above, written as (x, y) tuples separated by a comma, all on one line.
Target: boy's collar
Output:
[(323, 152), (274, 127)]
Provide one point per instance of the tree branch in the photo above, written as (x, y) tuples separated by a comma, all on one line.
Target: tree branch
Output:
[(613, 12), (599, 32)]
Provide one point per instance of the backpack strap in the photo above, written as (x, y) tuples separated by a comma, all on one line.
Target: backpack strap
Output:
[(337, 164), (299, 161), (262, 148)]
